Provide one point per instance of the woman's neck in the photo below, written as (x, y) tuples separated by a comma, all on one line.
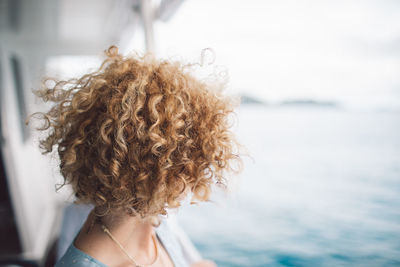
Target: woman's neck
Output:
[(133, 233)]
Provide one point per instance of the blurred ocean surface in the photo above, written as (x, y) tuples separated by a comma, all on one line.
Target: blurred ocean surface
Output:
[(322, 189)]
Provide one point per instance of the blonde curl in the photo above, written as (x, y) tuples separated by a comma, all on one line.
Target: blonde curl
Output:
[(134, 134)]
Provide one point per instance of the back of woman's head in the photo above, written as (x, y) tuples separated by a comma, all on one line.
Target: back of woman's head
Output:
[(137, 133)]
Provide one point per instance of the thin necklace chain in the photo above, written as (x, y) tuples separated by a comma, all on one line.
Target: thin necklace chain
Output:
[(105, 230)]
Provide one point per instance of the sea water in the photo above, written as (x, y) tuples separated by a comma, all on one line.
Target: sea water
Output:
[(322, 188)]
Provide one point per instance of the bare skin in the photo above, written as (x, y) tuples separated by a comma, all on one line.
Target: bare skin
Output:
[(134, 234)]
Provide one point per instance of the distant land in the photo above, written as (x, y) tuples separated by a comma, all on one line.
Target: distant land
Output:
[(245, 99), (298, 102), (308, 102)]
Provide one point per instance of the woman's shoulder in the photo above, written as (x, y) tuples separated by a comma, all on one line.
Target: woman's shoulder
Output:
[(74, 257), (169, 239)]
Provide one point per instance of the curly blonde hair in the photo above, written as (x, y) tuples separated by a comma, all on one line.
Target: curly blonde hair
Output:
[(134, 134)]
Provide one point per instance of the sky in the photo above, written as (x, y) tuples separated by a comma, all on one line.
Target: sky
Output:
[(343, 51)]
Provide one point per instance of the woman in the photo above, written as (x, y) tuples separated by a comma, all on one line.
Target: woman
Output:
[(134, 138)]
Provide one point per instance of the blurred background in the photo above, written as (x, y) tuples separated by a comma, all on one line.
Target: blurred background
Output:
[(320, 116)]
